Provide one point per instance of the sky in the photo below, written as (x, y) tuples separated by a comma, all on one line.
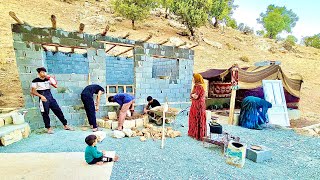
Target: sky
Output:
[(308, 12)]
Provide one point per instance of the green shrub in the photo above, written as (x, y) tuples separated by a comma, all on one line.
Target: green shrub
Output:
[(312, 41)]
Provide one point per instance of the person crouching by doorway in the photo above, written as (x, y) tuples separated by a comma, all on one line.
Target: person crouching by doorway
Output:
[(126, 102), (41, 87), (151, 103), (89, 105)]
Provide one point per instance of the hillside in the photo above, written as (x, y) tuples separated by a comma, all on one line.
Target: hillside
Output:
[(95, 16)]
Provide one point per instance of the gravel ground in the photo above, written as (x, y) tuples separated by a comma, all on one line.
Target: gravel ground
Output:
[(294, 156)]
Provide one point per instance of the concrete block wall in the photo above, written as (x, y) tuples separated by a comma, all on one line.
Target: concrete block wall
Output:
[(165, 67), (119, 70), (176, 89), (67, 63)]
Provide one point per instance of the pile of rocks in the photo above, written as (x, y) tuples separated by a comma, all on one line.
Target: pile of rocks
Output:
[(148, 132), (313, 130)]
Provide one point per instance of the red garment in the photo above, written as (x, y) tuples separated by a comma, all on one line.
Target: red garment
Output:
[(197, 116)]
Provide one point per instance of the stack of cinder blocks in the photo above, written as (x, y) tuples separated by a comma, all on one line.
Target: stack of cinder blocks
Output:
[(10, 132), (128, 124)]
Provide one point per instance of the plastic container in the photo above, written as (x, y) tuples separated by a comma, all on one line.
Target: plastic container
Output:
[(236, 154)]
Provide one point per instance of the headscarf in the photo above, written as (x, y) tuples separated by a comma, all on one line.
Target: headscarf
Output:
[(198, 79)]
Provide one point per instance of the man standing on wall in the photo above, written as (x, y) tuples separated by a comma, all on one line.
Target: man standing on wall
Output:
[(89, 105), (41, 87), (126, 102)]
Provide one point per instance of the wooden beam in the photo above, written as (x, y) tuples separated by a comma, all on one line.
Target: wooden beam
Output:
[(235, 86), (13, 15), (81, 28), (143, 40), (54, 21), (193, 46), (182, 44), (124, 51), (163, 42), (59, 45), (111, 48), (125, 36), (146, 39), (117, 44), (104, 33), (165, 57)]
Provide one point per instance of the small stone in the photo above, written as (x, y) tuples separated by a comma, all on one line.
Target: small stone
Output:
[(142, 138)]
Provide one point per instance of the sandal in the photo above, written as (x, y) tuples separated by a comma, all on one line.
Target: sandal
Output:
[(95, 129), (68, 128), (50, 131)]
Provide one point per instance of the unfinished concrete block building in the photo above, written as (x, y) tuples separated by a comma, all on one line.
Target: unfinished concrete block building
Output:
[(156, 70)]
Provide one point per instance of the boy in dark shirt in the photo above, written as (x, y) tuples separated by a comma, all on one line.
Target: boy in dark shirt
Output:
[(89, 105), (151, 102)]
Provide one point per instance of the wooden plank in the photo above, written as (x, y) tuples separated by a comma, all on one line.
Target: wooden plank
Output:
[(117, 44), (182, 44), (124, 51), (81, 28), (232, 104), (54, 21), (163, 42), (111, 48), (13, 15), (192, 46), (125, 36), (104, 33), (165, 57)]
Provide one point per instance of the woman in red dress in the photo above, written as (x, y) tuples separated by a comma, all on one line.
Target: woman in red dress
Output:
[(197, 116)]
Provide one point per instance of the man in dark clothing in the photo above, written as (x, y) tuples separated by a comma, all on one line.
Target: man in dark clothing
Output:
[(89, 105), (151, 102), (41, 87)]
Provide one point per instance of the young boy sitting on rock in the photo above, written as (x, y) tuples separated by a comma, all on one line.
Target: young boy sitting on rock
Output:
[(92, 155)]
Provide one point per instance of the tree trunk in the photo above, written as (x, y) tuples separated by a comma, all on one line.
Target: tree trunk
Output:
[(167, 13), (191, 31), (216, 24), (132, 23)]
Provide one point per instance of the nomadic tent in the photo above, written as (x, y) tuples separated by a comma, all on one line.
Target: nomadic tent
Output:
[(250, 83)]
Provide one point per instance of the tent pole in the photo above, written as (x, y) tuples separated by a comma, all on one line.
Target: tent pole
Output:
[(235, 86)]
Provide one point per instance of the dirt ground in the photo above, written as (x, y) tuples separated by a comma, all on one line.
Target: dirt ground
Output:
[(96, 15)]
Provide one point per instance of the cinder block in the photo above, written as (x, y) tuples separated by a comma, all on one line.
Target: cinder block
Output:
[(128, 124), (1, 122), (101, 122), (259, 156), (108, 124), (114, 125), (8, 120), (139, 122)]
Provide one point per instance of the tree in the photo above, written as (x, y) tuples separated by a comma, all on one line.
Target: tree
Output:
[(222, 9), (292, 40), (193, 13), (260, 32), (277, 19), (133, 9), (167, 4), (313, 41)]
